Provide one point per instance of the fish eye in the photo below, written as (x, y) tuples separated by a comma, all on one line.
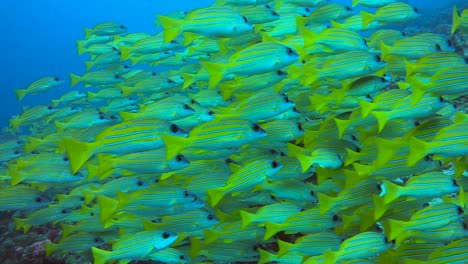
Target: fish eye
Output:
[(229, 161), (50, 107), (282, 154), (299, 127), (307, 9), (153, 73), (272, 197), (290, 52), (186, 107), (365, 41), (312, 193), (63, 211), (358, 149), (82, 198), (449, 43), (116, 76), (336, 218), (438, 47), (17, 152), (170, 81), (97, 240), (140, 183), (210, 217), (65, 159), (179, 158), (280, 72), (460, 210), (382, 79), (285, 99), (181, 257), (91, 214), (303, 61), (102, 117), (256, 128), (268, 6), (274, 152), (295, 110), (166, 235), (174, 41), (348, 8), (379, 187), (122, 27), (378, 58), (56, 79), (186, 193), (38, 199), (425, 205), (454, 182), (417, 123), (245, 19), (210, 113), (274, 164), (174, 128), (385, 240), (415, 10)]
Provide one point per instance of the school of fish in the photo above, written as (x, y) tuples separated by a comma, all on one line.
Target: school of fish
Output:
[(287, 131)]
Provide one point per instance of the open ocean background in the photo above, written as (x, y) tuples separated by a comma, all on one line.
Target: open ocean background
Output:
[(39, 38)]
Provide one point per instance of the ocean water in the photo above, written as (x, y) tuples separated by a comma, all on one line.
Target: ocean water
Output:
[(39, 38)]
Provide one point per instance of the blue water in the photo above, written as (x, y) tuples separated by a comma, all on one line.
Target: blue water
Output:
[(39, 38)]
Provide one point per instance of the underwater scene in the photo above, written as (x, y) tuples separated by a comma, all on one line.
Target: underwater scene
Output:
[(234, 131)]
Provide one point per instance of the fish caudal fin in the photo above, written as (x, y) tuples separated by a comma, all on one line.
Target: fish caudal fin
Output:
[(284, 248), (247, 218), (326, 202), (216, 71), (74, 79), (367, 18), (382, 118), (215, 195), (174, 145), (78, 152), (20, 94), (395, 228), (101, 256), (172, 27), (418, 150), (271, 230), (392, 192), (456, 20)]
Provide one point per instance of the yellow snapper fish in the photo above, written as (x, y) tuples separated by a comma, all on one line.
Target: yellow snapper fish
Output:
[(210, 22), (105, 29), (41, 85), (32, 115), (213, 135), (245, 178), (256, 59), (397, 12), (135, 246)]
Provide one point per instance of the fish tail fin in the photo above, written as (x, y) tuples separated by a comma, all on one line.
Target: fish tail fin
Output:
[(108, 207), (134, 60), (336, 24), (92, 172), (127, 116), (362, 170), (379, 207), (318, 102), (395, 228), (418, 149), (125, 52), (284, 248), (88, 65), (78, 152), (410, 68), (342, 126), (351, 156), (386, 150), (271, 230), (50, 248), (215, 195), (106, 166), (81, 48), (74, 79), (366, 107), (382, 119), (330, 257), (310, 38), (227, 90), (355, 3), (210, 236), (20, 94), (265, 256), (88, 32), (392, 192), (216, 71), (306, 161), (32, 144), (312, 76), (89, 196), (386, 51), (55, 103), (91, 95), (22, 223), (247, 218), (101, 256), (16, 176), (367, 18), (174, 145), (67, 229), (189, 79), (172, 27), (418, 90), (326, 202), (456, 20), (60, 126)]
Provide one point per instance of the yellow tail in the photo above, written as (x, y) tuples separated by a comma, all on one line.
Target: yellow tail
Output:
[(456, 20), (20, 94), (74, 79), (78, 152), (172, 27)]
